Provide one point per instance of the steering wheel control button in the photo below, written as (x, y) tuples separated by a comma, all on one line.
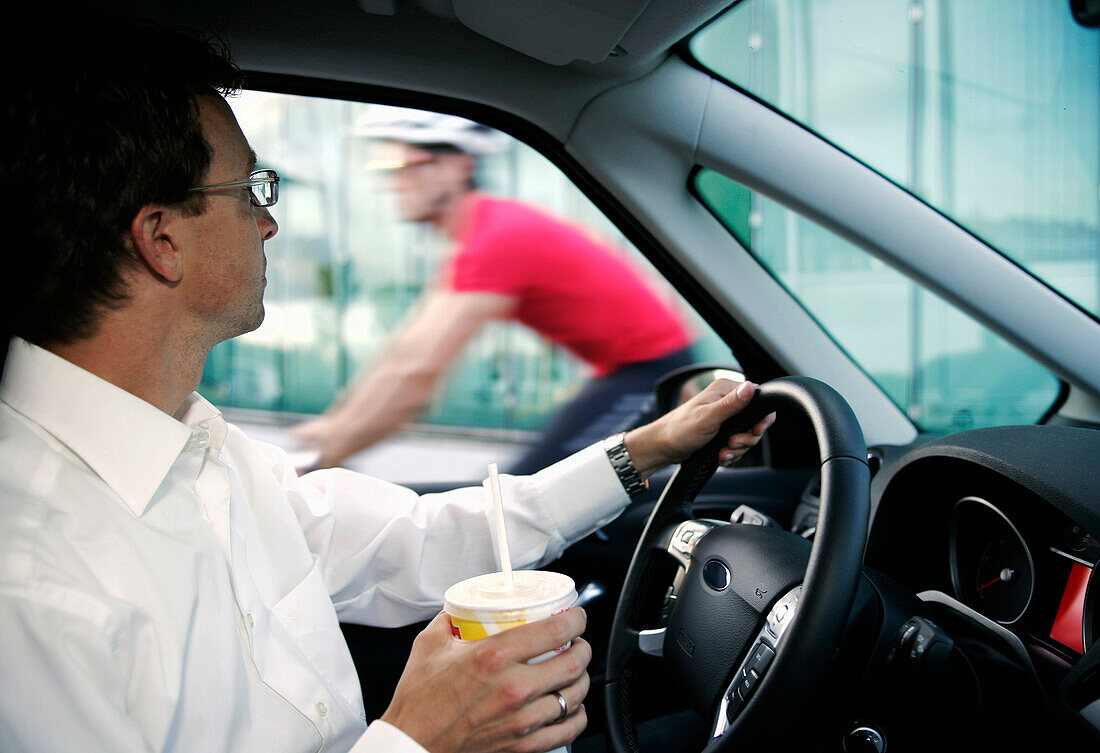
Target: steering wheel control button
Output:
[(779, 614), (761, 658), (686, 537), (777, 619), (782, 613), (906, 633), (747, 684), (671, 595), (921, 641), (733, 705), (748, 516), (716, 575)]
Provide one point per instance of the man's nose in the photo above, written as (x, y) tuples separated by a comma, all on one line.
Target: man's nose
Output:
[(267, 224)]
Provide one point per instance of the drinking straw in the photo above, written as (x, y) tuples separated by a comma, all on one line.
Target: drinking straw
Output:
[(502, 533)]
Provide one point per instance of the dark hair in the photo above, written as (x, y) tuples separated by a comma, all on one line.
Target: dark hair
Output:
[(101, 121)]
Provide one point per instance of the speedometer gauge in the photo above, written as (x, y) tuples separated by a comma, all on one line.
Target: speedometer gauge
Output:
[(991, 566)]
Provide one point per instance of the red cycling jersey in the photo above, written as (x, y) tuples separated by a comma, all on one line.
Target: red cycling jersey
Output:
[(571, 289)]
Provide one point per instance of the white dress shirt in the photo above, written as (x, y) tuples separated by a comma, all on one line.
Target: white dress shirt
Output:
[(167, 584)]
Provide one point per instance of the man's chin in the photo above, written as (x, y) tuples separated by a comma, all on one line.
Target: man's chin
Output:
[(249, 324), (259, 319)]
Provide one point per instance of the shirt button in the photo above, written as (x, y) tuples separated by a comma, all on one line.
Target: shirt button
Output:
[(322, 709), (251, 622)]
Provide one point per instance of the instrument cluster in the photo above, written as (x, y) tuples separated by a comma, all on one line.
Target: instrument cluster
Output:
[(1037, 578)]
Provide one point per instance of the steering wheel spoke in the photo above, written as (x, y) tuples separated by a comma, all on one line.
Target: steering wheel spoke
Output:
[(652, 641), (677, 540)]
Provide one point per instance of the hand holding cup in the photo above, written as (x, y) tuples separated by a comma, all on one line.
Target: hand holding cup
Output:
[(484, 696)]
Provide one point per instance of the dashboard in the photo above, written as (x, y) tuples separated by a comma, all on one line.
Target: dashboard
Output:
[(1005, 521)]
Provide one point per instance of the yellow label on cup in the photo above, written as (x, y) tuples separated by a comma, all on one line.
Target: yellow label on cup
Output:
[(475, 630)]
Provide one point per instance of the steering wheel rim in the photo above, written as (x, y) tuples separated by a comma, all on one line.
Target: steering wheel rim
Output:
[(828, 588)]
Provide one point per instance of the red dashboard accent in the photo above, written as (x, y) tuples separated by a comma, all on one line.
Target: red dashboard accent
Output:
[(1067, 628)]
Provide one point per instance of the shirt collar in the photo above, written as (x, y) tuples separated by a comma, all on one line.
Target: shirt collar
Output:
[(127, 442)]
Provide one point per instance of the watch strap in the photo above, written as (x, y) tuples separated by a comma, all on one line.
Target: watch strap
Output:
[(631, 480)]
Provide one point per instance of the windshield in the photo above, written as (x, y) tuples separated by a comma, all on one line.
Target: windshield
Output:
[(944, 369), (989, 110)]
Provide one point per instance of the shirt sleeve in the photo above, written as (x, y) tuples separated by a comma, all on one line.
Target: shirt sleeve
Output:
[(67, 669), (381, 737), (388, 554)]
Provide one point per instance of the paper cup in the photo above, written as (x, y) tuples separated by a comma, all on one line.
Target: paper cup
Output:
[(485, 605)]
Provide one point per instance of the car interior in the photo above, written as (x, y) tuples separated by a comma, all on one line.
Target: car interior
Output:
[(885, 571)]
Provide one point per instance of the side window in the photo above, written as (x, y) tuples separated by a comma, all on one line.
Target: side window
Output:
[(946, 371), (346, 268)]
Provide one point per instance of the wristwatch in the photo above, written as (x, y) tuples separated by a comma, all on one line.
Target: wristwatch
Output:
[(628, 475)]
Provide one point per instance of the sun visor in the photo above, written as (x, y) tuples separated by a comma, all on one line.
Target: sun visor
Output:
[(553, 31)]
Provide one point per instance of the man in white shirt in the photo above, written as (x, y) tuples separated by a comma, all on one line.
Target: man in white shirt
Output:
[(166, 583)]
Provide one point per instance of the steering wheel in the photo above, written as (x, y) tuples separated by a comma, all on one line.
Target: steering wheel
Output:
[(754, 614)]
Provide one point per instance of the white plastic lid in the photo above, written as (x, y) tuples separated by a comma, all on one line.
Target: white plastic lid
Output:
[(533, 589)]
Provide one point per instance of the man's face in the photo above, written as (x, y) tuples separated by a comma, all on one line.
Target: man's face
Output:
[(426, 184), (225, 263)]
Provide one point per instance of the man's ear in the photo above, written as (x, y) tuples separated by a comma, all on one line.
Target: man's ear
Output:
[(156, 241)]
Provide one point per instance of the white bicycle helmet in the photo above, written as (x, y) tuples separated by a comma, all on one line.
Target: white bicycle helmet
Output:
[(422, 127)]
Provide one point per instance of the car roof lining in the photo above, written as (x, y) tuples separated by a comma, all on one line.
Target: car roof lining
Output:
[(409, 48), (561, 32)]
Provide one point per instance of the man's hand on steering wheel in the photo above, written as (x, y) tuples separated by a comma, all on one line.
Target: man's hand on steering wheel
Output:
[(679, 433)]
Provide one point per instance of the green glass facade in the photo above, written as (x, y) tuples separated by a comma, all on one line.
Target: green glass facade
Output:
[(988, 110)]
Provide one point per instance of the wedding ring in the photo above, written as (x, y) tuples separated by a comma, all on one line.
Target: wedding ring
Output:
[(564, 707)]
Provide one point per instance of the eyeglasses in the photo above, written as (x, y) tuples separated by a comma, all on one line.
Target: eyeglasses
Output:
[(263, 187)]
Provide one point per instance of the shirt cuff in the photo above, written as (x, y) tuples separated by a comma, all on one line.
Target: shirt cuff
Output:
[(382, 737), (582, 492)]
